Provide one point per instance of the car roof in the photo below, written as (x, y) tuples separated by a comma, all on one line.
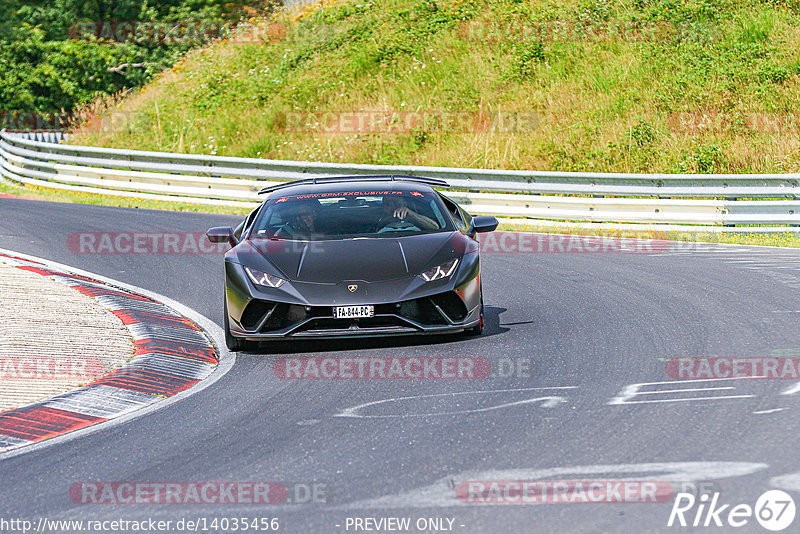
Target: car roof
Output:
[(357, 183)]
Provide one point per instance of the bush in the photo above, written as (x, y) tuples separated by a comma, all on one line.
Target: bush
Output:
[(47, 68)]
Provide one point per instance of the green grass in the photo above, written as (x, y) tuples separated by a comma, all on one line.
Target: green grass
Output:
[(74, 197), (779, 239), (580, 85), (594, 85)]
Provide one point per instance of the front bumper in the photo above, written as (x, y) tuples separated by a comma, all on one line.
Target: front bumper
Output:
[(256, 316), (427, 315)]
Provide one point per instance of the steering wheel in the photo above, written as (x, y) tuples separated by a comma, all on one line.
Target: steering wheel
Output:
[(287, 231), (393, 223)]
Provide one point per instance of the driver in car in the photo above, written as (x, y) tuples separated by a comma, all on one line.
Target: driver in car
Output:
[(301, 223), (395, 208)]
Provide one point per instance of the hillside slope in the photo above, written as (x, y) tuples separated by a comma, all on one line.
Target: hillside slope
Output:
[(627, 85)]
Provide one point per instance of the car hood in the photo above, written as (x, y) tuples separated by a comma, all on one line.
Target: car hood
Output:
[(368, 259)]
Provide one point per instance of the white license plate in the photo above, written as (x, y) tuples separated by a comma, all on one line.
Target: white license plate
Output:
[(350, 312)]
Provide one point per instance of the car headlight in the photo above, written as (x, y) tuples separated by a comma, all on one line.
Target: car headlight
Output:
[(264, 279), (440, 271)]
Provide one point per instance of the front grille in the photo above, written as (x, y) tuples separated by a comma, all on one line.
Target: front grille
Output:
[(286, 315), (283, 316), (422, 311), (330, 323)]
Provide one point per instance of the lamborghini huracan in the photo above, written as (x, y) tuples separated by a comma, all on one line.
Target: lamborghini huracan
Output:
[(352, 256)]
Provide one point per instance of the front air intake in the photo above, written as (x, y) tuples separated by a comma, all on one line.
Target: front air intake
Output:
[(254, 313), (451, 305)]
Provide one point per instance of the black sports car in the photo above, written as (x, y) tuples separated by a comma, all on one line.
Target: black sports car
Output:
[(352, 256)]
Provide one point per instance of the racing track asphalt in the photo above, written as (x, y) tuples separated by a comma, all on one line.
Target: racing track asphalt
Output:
[(598, 322)]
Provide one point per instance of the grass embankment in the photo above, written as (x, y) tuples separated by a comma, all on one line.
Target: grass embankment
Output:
[(76, 197), (627, 86), (778, 239)]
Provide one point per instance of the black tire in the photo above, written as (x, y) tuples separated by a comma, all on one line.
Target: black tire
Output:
[(234, 344)]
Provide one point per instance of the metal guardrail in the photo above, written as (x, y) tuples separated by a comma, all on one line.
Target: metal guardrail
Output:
[(44, 136), (691, 199)]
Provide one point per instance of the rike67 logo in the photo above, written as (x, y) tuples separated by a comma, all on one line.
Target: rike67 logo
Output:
[(774, 510)]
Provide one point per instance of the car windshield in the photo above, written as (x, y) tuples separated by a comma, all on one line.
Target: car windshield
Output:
[(351, 215)]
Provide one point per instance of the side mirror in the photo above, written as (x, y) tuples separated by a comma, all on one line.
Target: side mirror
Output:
[(482, 224), (222, 234)]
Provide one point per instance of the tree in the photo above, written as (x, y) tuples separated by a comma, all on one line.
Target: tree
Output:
[(46, 67)]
